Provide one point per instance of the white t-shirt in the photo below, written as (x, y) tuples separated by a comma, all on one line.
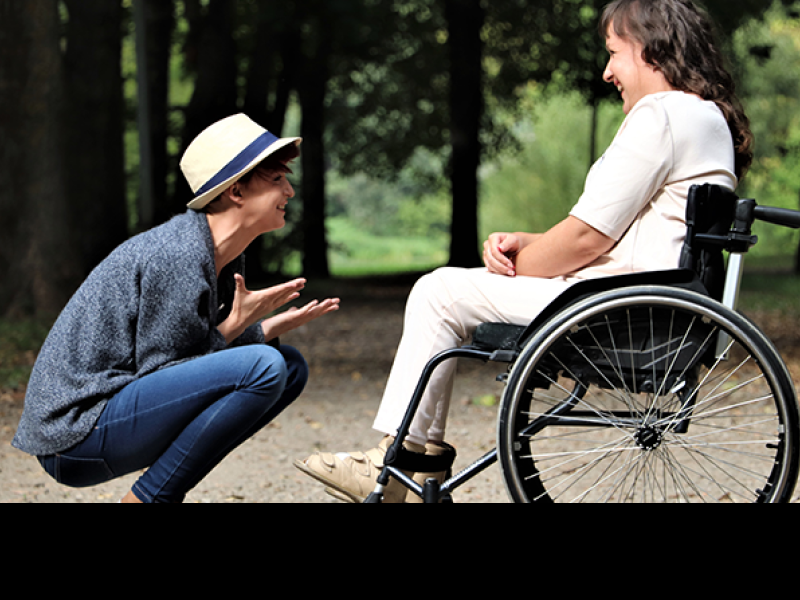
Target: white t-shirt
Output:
[(636, 193)]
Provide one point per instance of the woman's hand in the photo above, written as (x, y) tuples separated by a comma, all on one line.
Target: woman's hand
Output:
[(297, 317), (499, 253), (248, 307)]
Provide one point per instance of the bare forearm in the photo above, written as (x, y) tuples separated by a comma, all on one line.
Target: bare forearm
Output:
[(526, 239), (566, 248)]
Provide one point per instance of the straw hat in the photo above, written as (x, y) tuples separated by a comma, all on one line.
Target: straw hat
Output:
[(224, 153)]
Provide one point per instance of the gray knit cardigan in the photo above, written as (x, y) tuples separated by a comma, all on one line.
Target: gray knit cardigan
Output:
[(155, 302)]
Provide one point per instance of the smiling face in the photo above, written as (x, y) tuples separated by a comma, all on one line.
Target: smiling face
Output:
[(264, 199), (628, 71), (258, 201)]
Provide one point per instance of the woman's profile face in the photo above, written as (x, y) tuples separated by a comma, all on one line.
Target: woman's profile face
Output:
[(627, 70), (265, 198)]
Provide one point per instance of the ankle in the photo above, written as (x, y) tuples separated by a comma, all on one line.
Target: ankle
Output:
[(131, 498)]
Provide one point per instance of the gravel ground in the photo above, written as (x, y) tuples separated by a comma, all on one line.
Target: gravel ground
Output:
[(350, 354), (335, 414)]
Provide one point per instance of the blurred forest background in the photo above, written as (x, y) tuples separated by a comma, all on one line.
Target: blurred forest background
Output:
[(428, 124)]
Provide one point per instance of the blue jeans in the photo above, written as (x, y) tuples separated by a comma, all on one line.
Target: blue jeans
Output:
[(181, 422)]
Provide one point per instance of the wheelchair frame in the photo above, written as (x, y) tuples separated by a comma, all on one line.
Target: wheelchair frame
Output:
[(717, 220)]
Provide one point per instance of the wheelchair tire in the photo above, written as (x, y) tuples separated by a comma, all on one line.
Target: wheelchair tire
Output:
[(629, 396)]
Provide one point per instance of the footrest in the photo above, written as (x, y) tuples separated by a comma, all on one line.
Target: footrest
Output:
[(422, 463), (497, 336)]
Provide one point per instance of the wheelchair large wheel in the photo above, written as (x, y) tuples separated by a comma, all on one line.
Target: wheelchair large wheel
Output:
[(649, 394)]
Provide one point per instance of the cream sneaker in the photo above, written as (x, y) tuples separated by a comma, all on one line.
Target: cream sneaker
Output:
[(353, 476)]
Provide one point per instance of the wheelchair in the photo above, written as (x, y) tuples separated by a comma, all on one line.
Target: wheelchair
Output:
[(640, 388)]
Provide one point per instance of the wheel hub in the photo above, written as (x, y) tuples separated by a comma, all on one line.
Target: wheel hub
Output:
[(649, 438)]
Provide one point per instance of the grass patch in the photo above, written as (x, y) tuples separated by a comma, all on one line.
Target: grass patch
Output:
[(773, 292), (359, 253)]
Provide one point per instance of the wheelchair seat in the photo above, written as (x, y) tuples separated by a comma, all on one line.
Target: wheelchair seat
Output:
[(497, 336), (710, 213)]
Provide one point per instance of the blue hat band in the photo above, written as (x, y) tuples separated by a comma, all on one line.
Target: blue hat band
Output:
[(240, 163)]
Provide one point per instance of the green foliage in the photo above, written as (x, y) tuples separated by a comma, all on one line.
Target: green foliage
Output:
[(771, 292), (532, 184), (20, 341), (384, 226), (768, 53), (412, 204), (391, 99), (535, 188), (388, 117)]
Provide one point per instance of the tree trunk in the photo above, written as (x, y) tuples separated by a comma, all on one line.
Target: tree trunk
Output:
[(266, 102), (312, 88), (94, 156), (38, 266), (156, 18), (465, 19), (595, 108), (212, 50)]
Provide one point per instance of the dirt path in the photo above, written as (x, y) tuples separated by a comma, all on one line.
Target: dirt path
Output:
[(350, 354)]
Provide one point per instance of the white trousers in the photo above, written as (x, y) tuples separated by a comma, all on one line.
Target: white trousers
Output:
[(443, 311)]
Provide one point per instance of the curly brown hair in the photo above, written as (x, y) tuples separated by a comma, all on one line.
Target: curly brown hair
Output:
[(679, 39)]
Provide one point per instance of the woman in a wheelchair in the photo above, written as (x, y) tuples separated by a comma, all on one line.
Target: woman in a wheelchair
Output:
[(160, 361), (684, 126)]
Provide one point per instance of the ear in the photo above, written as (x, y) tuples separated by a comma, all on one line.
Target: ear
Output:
[(234, 193)]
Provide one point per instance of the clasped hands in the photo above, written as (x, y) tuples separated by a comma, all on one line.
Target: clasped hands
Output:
[(500, 252), (249, 307), (566, 248)]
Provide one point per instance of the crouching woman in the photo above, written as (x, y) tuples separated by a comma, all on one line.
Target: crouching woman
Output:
[(160, 361)]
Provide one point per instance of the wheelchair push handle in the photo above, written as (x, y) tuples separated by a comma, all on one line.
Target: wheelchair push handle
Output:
[(778, 216)]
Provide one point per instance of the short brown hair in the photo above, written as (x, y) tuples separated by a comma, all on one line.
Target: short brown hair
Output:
[(275, 163)]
